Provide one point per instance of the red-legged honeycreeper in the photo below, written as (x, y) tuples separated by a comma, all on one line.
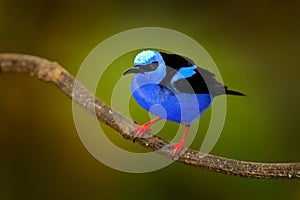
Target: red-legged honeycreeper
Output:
[(172, 87)]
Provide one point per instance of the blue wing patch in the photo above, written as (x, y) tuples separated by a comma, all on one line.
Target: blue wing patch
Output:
[(183, 73), (183, 76)]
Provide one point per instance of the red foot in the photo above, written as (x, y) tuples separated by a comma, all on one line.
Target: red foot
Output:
[(178, 147), (141, 130)]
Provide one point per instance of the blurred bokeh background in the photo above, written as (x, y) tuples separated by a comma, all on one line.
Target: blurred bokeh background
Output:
[(255, 45)]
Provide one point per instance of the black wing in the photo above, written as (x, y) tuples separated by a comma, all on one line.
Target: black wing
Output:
[(198, 83), (176, 61), (201, 82), (194, 84)]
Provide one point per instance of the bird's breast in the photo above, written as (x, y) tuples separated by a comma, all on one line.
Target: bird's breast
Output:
[(160, 101), (151, 93)]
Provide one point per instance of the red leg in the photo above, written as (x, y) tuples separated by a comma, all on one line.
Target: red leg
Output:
[(180, 145), (141, 130)]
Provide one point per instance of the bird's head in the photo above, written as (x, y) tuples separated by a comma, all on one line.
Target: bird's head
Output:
[(148, 66)]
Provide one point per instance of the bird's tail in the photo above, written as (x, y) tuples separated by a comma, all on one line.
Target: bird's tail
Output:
[(232, 92)]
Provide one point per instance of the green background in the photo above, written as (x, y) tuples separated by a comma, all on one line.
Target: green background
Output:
[(255, 45)]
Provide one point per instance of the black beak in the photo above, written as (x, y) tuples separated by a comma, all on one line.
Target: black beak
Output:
[(133, 71)]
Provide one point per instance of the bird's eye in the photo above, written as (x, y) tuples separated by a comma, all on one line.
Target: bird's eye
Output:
[(150, 67), (154, 65)]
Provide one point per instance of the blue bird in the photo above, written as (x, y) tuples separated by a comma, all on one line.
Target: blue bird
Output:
[(172, 87)]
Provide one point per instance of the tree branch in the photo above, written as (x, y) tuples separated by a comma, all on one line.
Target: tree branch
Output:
[(52, 72)]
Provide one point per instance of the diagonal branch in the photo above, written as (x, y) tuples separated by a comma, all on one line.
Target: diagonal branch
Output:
[(52, 72)]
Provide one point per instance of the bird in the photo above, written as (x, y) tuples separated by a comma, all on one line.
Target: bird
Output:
[(174, 88)]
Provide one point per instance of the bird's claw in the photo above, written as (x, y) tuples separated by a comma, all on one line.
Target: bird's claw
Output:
[(178, 147), (141, 130)]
